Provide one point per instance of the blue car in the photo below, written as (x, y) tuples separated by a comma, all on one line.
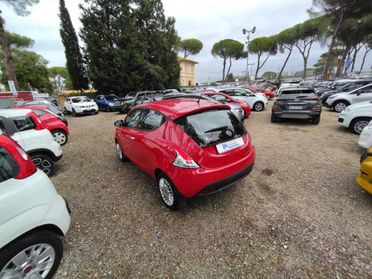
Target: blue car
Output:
[(108, 102)]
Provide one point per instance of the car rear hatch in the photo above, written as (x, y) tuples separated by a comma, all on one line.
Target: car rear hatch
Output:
[(295, 102), (215, 138)]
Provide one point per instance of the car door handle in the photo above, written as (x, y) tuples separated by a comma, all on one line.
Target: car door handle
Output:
[(130, 137)]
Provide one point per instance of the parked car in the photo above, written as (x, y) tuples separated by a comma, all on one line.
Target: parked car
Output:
[(80, 105), (255, 100), (108, 102), (132, 98), (333, 86), (346, 88), (297, 103), (264, 90), (26, 129), (57, 126), (51, 106), (226, 99), (356, 117), (190, 148), (340, 101), (365, 138), (365, 177), (33, 217), (235, 109)]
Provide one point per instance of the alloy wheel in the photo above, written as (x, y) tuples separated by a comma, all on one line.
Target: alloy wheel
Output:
[(34, 262), (258, 107), (60, 137), (42, 164), (359, 126), (166, 192), (340, 107)]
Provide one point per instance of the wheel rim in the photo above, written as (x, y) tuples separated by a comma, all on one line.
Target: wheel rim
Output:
[(340, 107), (258, 106), (33, 262), (59, 137), (359, 126), (166, 192), (42, 164), (118, 151)]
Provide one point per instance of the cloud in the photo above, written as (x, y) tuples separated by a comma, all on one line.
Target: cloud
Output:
[(208, 20)]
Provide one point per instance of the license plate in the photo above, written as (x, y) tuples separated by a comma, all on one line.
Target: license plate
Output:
[(229, 145), (295, 107)]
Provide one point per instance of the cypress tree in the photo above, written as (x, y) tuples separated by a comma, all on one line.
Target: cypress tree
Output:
[(74, 58)]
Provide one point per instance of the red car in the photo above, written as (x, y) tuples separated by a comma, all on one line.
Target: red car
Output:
[(190, 147), (222, 97), (267, 92), (57, 126)]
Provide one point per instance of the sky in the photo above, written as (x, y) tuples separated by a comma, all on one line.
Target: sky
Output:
[(207, 20)]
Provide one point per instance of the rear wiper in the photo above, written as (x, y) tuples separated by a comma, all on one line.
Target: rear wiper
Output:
[(217, 129)]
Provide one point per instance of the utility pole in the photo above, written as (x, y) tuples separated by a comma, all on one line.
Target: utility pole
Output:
[(248, 33)]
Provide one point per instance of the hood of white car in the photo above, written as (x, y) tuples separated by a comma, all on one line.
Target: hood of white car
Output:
[(362, 105), (81, 104)]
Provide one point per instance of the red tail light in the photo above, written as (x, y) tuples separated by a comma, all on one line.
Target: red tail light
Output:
[(27, 167), (276, 108), (317, 108)]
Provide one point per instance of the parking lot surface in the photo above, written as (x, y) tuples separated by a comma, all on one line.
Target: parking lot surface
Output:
[(299, 214)]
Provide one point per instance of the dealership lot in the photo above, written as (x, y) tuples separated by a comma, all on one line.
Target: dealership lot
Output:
[(299, 214)]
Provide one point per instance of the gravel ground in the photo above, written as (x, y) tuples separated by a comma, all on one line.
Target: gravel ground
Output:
[(299, 214)]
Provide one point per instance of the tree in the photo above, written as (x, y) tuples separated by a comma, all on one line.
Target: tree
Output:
[(339, 11), (230, 77), (269, 75), (31, 69), (60, 79), (261, 46), (190, 47), (286, 40), (74, 59), (228, 49), (306, 34), (20, 8), (368, 48)]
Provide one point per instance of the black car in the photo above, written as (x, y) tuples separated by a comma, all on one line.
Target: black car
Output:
[(132, 99), (297, 103)]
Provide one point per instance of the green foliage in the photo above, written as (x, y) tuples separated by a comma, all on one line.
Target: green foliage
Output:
[(190, 47), (269, 75), (20, 6), (130, 45), (230, 77), (228, 49), (74, 59), (60, 79), (261, 46), (32, 73), (19, 41)]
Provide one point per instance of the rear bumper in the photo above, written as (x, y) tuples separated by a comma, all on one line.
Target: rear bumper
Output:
[(296, 114), (364, 182), (202, 181)]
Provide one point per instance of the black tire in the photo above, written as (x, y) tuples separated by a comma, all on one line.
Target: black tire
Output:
[(66, 111), (315, 121), (74, 113), (357, 124), (57, 135), (259, 106), (339, 106), (178, 200), (28, 241), (119, 152), (96, 112), (43, 162), (274, 119), (108, 109)]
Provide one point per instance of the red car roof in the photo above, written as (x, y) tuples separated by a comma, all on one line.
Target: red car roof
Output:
[(175, 108), (40, 107)]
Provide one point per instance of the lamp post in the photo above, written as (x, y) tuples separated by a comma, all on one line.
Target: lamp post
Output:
[(248, 33)]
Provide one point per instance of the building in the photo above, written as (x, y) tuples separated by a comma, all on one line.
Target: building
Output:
[(187, 74)]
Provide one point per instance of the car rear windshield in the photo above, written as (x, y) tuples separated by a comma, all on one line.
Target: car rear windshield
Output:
[(302, 91), (211, 127), (8, 167)]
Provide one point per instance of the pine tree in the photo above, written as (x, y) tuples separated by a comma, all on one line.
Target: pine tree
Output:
[(74, 59)]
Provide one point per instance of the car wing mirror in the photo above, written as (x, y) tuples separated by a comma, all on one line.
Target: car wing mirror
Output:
[(119, 123)]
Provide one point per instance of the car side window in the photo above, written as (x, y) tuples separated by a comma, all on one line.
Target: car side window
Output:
[(152, 120), (39, 112), (24, 123), (2, 126), (219, 97), (8, 167), (133, 119)]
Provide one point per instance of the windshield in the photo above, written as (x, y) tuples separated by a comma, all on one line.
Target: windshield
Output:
[(211, 127), (111, 98), (80, 99), (130, 96)]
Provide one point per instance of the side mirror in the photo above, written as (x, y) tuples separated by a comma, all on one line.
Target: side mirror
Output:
[(119, 123)]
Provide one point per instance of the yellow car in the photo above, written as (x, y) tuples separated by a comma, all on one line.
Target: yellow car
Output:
[(365, 177)]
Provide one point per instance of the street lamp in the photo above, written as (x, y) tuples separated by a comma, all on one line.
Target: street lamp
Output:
[(248, 33)]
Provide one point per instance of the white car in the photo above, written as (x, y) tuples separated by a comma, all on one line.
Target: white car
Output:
[(33, 217), (342, 100), (256, 101), (356, 117), (80, 105), (25, 128), (365, 138)]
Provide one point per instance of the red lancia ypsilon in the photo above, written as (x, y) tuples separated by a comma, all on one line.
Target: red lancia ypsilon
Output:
[(190, 147)]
